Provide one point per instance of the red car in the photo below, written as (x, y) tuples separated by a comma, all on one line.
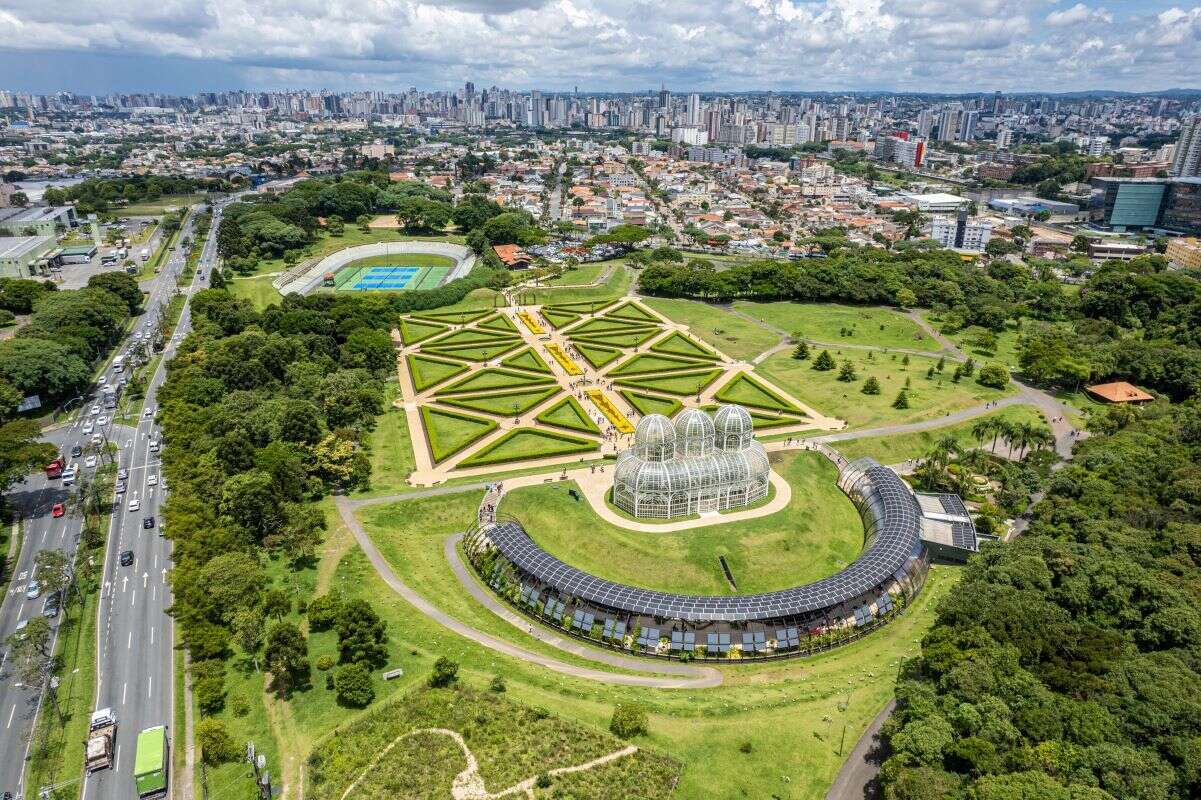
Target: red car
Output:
[(58, 510)]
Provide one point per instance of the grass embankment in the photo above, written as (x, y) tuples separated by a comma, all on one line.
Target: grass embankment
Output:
[(736, 337), (817, 534), (153, 208), (582, 275), (901, 447), (615, 286), (929, 398)]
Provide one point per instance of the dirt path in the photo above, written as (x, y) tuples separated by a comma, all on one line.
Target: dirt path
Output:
[(291, 749), (469, 784)]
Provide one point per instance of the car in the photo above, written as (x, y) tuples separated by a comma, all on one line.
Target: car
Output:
[(88, 427), (58, 510), (147, 412), (152, 480), (126, 558), (69, 476), (51, 606), (154, 445), (90, 462), (76, 451), (138, 336), (134, 504), (102, 420), (97, 439), (33, 590), (94, 410), (148, 523), (122, 474), (120, 487)]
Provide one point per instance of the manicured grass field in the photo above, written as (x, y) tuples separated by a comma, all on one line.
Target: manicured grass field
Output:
[(927, 398), (526, 443), (734, 336), (503, 403), (900, 447), (391, 447), (427, 371), (568, 413), (484, 351), (615, 286), (470, 336), (681, 384), (650, 404), (494, 378), (258, 290), (632, 311), (153, 208), (649, 364), (818, 534), (606, 325), (745, 390), (772, 728), (680, 345), (413, 331), (596, 355), (828, 322), (498, 322), (527, 359), (582, 275), (617, 339), (448, 432), (559, 319)]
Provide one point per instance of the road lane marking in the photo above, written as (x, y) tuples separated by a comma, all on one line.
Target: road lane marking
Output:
[(152, 635), (150, 687), (124, 687), (133, 597), (129, 642), (117, 763), (10, 716)]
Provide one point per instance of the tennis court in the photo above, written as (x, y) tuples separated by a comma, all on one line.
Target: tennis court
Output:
[(388, 277)]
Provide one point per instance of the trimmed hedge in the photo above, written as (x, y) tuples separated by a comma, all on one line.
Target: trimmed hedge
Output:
[(648, 364), (471, 336), (527, 359), (744, 390), (412, 331), (650, 404), (502, 403), (633, 311), (436, 371), (454, 317), (682, 384), (484, 351), (494, 378), (516, 446), (569, 414), (681, 345), (616, 339), (596, 355), (559, 319), (498, 322), (444, 431)]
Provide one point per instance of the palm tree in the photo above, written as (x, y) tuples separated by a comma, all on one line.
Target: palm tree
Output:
[(1023, 434), (982, 429), (1040, 438), (1002, 429)]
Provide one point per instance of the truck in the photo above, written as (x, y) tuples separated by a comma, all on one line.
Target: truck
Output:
[(55, 468), (145, 254), (110, 396), (101, 734), (150, 763)]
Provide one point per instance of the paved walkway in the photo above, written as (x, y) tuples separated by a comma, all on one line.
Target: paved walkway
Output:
[(686, 677), (857, 778)]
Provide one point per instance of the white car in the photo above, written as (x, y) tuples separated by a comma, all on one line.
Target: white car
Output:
[(94, 410), (68, 476), (102, 420), (88, 427), (147, 412), (90, 462), (134, 504), (152, 480), (33, 590)]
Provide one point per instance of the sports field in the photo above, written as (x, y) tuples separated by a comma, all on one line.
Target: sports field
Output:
[(394, 273)]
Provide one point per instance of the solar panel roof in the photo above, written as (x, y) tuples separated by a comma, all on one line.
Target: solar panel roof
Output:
[(898, 528)]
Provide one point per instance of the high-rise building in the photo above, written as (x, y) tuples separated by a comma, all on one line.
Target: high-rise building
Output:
[(925, 122), (967, 125), (664, 97), (960, 233), (1186, 162), (1004, 138), (948, 125), (694, 109)]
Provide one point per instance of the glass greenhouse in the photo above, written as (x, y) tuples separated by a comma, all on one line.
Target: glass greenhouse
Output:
[(693, 465)]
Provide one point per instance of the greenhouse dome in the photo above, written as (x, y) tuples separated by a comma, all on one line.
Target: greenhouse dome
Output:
[(692, 466)]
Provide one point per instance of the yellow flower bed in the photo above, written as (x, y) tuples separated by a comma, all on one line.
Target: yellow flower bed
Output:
[(531, 322), (564, 360), (609, 410)]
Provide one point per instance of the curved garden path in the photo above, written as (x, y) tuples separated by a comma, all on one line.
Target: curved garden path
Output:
[(683, 676), (469, 784)]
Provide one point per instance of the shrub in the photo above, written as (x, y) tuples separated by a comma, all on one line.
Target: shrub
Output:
[(994, 376), (323, 612), (216, 745), (902, 400), (239, 705), (847, 373), (497, 684), (542, 781), (210, 693), (745, 747), (824, 361), (871, 386), (445, 673), (353, 684), (324, 663), (629, 720)]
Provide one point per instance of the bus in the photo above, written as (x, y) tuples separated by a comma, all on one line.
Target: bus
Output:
[(150, 765)]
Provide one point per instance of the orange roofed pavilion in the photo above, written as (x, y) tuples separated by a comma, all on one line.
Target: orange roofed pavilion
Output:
[(1119, 392)]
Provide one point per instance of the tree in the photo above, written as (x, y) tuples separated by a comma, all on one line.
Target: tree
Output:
[(801, 351), (323, 611), (353, 686), (1079, 243), (997, 247), (824, 361), (286, 656), (906, 298), (902, 400), (995, 376), (445, 673), (216, 745), (361, 634), (249, 499), (53, 570), (847, 373), (232, 581), (276, 604), (871, 386), (628, 720), (20, 199), (247, 627), (121, 284)]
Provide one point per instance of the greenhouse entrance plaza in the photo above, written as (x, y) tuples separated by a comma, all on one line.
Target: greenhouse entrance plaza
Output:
[(534, 386)]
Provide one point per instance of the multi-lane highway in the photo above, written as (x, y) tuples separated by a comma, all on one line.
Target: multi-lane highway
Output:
[(134, 634)]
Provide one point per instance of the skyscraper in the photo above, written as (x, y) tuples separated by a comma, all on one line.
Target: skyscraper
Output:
[(1187, 162), (694, 109), (664, 97), (948, 125)]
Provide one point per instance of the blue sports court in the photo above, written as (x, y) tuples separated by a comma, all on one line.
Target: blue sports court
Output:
[(385, 278)]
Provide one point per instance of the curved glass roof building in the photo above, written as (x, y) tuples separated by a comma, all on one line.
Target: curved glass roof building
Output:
[(695, 464)]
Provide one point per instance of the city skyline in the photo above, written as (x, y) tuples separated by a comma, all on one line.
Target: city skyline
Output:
[(604, 45)]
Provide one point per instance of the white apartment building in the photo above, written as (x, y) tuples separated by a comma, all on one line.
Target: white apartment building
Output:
[(960, 232)]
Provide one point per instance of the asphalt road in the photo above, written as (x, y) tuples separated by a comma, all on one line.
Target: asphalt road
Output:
[(135, 636), (134, 664)]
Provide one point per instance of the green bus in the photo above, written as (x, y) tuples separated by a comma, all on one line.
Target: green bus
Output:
[(150, 764)]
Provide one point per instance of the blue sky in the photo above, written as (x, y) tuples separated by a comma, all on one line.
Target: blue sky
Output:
[(181, 46)]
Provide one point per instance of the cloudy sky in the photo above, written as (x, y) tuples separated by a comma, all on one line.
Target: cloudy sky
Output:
[(95, 46)]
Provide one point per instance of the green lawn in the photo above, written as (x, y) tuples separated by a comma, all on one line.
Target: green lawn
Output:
[(484, 351), (680, 345), (734, 336), (745, 390), (527, 359), (927, 398), (153, 208), (779, 728), (427, 371), (449, 432), (391, 447), (582, 275), (615, 286), (649, 364), (971, 340), (596, 355), (832, 322), (900, 447), (650, 404), (471, 336), (818, 534), (683, 384), (613, 339), (521, 444), (503, 403), (413, 331), (568, 413), (258, 291), (494, 378)]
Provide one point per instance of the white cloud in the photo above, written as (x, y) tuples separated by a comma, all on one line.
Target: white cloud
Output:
[(937, 45)]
